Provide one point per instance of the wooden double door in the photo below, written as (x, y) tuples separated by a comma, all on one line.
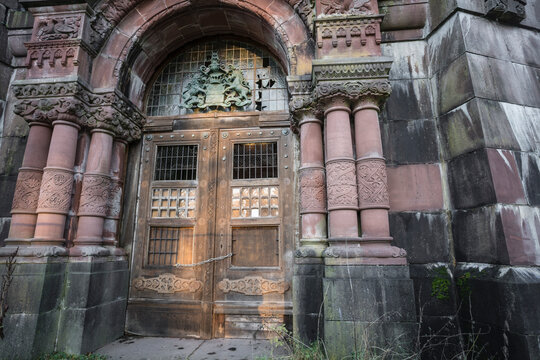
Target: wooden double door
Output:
[(215, 230)]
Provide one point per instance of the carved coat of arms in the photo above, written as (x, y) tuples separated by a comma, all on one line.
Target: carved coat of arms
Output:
[(216, 86)]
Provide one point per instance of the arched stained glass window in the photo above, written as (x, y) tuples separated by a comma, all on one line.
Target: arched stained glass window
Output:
[(225, 75)]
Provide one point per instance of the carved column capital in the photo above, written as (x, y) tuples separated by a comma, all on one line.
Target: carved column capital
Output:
[(73, 101)]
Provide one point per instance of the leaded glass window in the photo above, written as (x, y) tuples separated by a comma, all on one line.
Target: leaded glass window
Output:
[(261, 72)]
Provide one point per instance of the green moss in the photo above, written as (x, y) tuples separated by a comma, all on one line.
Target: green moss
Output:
[(440, 286), (64, 356)]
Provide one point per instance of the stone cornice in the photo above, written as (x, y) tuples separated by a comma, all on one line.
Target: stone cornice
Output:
[(352, 69), (72, 100)]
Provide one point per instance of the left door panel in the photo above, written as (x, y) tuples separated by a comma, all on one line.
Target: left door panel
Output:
[(175, 229)]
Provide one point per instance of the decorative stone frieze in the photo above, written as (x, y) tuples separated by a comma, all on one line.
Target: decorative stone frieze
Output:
[(25, 199), (375, 67), (353, 7), (167, 284), (345, 29), (52, 51), (95, 193), (253, 285), (47, 102), (300, 88), (312, 190), (341, 186), (372, 183), (58, 28), (55, 194)]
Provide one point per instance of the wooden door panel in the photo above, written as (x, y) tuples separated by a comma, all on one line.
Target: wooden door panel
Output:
[(252, 288)]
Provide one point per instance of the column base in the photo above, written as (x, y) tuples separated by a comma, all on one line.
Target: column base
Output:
[(368, 307), (369, 251), (33, 250), (311, 248), (116, 251), (88, 250)]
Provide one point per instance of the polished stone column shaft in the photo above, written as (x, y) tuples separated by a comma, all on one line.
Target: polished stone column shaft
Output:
[(95, 194), (340, 173), (25, 199), (56, 187), (117, 174), (312, 186)]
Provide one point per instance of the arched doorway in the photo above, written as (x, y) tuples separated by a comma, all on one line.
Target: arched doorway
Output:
[(215, 227)]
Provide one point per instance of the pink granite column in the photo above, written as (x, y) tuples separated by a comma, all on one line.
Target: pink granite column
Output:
[(340, 173), (95, 195), (372, 188), (117, 174), (312, 186), (55, 194), (25, 199)]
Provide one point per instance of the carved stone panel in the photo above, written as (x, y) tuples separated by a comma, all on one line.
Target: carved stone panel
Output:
[(167, 284), (25, 199), (352, 7), (253, 285), (372, 183), (58, 28), (55, 194), (312, 190), (341, 185), (95, 195), (115, 200)]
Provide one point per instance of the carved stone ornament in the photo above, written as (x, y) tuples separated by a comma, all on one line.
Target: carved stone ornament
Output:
[(345, 29), (109, 111), (55, 195), (312, 191), (375, 67), (353, 7), (51, 51), (512, 11), (372, 183), (341, 185), (216, 86), (95, 195), (167, 284), (58, 28), (354, 90), (25, 199), (115, 200), (253, 286)]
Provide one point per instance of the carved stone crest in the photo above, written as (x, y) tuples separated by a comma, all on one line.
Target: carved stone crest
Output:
[(167, 284), (216, 86), (253, 285)]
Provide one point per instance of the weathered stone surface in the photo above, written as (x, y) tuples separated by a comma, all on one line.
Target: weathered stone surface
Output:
[(500, 297), (12, 152), (470, 180), (521, 226), (439, 11), (410, 59), (506, 181), (417, 105), (446, 44), (409, 142), (423, 235), (308, 316), (415, 187), (7, 188), (454, 85), (478, 236), (529, 170)]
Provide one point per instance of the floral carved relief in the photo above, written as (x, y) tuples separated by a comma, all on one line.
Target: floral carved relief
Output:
[(354, 7), (372, 183), (27, 190), (253, 285), (312, 190), (115, 200), (341, 185), (95, 195), (167, 284), (55, 194)]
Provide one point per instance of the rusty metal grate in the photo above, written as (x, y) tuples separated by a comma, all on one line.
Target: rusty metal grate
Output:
[(176, 162), (168, 246), (255, 161)]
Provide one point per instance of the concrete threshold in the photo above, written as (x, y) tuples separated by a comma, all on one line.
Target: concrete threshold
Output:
[(156, 348)]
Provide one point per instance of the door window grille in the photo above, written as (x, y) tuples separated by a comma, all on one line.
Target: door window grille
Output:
[(255, 161), (168, 246), (176, 162)]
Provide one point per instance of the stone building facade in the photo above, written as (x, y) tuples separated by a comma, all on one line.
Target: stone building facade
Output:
[(354, 169)]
